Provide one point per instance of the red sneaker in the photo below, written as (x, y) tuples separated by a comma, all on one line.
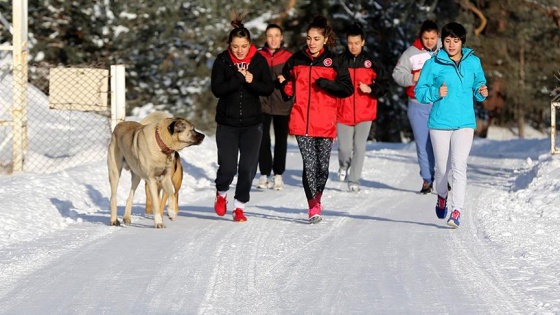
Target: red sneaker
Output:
[(315, 214), (220, 205), (238, 215)]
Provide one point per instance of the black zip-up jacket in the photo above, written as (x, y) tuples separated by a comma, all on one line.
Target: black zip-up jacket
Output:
[(238, 101)]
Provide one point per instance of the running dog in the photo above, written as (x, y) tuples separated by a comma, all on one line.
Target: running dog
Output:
[(148, 149)]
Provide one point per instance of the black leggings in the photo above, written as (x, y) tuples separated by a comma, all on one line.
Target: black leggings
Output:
[(266, 162), (316, 153)]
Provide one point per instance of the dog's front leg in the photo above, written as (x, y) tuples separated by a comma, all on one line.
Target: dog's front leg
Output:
[(172, 206), (158, 219)]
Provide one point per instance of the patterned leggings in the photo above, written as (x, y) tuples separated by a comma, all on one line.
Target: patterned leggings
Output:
[(315, 153)]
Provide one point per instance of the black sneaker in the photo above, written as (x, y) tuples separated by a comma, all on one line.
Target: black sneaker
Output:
[(426, 188)]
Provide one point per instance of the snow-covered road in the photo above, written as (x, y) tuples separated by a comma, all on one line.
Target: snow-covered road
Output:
[(379, 251)]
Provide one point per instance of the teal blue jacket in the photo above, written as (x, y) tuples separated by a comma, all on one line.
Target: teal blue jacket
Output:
[(456, 109)]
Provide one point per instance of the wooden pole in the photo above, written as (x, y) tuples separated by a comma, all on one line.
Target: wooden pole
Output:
[(118, 93), (19, 109)]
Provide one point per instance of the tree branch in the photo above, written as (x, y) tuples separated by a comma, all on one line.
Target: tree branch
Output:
[(291, 4), (552, 11), (467, 5)]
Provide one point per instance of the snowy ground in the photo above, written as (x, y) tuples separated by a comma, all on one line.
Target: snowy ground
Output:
[(379, 251)]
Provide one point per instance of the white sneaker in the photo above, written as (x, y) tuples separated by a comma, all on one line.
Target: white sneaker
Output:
[(263, 182), (278, 182), (342, 174)]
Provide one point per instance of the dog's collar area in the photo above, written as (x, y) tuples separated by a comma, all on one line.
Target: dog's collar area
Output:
[(164, 148)]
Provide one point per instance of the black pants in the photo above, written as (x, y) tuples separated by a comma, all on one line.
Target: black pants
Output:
[(234, 143), (266, 163), (316, 153)]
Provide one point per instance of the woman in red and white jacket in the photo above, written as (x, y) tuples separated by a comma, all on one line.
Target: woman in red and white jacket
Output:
[(315, 77), (406, 74), (356, 113)]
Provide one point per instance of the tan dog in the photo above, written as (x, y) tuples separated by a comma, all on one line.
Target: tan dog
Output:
[(148, 150)]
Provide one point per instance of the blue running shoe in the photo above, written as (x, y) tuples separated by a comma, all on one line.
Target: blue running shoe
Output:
[(454, 219), (441, 207)]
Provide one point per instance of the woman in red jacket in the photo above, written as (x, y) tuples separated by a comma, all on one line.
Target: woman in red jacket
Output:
[(356, 113), (315, 77)]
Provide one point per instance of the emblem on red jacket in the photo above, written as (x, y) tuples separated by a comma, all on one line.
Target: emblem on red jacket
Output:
[(327, 62), (367, 64)]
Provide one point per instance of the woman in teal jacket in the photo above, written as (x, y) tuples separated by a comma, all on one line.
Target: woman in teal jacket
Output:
[(451, 80)]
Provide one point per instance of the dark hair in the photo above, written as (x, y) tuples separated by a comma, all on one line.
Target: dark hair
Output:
[(454, 30), (428, 26), (320, 23), (355, 30), (238, 29), (272, 25)]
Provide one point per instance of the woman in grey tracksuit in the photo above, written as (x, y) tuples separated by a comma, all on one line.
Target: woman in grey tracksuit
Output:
[(406, 74)]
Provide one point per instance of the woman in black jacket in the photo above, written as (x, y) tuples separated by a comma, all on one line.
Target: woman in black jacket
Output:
[(239, 77)]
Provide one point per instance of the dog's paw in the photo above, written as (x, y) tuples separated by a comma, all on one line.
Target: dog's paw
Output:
[(160, 226), (127, 221), (115, 223)]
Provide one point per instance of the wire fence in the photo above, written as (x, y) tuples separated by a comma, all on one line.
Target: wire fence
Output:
[(62, 120)]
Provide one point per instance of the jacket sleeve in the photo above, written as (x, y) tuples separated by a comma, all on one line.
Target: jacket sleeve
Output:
[(382, 81), (342, 85), (262, 83), (402, 73), (224, 80), (479, 80), (425, 90), (287, 87)]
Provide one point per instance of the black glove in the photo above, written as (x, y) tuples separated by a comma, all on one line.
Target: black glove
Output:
[(322, 83), (277, 84)]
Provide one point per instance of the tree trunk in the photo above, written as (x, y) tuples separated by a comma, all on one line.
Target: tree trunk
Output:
[(520, 104)]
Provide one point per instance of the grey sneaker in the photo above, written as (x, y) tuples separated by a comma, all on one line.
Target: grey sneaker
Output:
[(263, 182), (353, 187), (342, 174), (278, 182)]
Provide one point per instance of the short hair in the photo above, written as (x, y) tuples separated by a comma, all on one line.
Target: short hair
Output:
[(276, 26), (428, 26), (454, 30), (355, 30)]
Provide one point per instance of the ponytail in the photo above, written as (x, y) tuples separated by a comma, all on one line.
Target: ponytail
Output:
[(239, 29), (320, 23)]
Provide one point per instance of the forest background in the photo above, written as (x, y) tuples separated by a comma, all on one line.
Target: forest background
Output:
[(169, 47)]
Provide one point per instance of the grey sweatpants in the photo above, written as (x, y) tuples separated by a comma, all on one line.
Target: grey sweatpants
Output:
[(454, 145), (352, 148)]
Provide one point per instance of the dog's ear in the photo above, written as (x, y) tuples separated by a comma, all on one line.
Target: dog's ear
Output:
[(177, 126)]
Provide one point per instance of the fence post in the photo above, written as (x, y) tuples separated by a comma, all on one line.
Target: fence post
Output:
[(553, 108), (118, 93), (19, 111)]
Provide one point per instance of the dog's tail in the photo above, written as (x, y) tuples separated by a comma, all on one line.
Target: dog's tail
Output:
[(155, 117)]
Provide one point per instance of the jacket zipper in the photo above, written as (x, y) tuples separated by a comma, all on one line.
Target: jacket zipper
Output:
[(354, 94), (308, 100)]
